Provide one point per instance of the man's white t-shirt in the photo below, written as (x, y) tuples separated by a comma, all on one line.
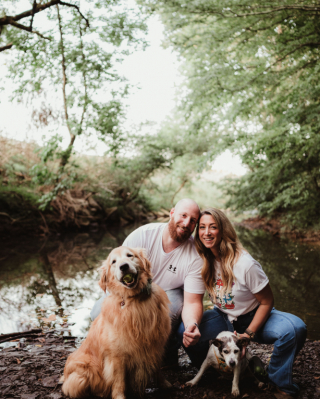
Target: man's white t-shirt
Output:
[(249, 279), (180, 268)]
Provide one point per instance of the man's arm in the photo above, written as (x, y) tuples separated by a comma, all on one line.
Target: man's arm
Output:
[(135, 239), (191, 313)]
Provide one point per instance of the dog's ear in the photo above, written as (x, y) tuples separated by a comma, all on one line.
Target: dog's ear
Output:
[(243, 342), (217, 342), (142, 253), (104, 275)]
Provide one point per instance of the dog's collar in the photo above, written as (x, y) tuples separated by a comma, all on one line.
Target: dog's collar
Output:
[(223, 365), (146, 291)]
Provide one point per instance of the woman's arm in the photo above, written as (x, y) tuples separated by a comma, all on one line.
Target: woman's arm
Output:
[(265, 298)]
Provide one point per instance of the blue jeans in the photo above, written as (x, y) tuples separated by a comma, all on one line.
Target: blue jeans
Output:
[(285, 331)]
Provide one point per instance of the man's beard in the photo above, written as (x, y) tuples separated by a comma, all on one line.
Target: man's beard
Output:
[(181, 237)]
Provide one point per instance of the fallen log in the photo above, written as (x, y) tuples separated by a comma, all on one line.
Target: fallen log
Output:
[(11, 336)]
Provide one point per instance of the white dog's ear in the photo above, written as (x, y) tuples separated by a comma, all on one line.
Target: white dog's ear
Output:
[(142, 253), (103, 277)]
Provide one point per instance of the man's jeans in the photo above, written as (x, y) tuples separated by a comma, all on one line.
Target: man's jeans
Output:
[(285, 331)]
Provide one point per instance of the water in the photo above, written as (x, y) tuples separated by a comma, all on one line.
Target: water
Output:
[(54, 283)]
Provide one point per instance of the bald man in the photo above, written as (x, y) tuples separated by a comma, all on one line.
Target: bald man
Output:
[(176, 266)]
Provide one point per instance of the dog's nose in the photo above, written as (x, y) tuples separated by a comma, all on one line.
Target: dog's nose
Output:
[(232, 363), (124, 267)]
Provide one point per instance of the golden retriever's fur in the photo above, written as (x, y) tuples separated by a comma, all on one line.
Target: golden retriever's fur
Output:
[(125, 344)]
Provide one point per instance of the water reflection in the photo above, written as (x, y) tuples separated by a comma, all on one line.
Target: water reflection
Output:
[(54, 282), (293, 271)]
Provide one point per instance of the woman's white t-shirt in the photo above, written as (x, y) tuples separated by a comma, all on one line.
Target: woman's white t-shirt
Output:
[(249, 280)]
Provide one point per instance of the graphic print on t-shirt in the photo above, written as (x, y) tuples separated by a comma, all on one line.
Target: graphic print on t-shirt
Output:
[(226, 301), (172, 269)]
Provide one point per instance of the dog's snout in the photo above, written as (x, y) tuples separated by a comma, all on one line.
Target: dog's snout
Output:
[(232, 363), (124, 267)]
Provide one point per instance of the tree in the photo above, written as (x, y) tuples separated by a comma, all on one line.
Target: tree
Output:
[(75, 55), (12, 20), (253, 86)]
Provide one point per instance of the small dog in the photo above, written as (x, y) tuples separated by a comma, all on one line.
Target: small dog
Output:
[(225, 356), (126, 342)]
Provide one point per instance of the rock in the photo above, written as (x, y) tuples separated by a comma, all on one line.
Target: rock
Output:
[(50, 381), (55, 395), (29, 395)]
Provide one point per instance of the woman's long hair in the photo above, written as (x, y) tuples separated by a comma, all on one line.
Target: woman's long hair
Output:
[(230, 250)]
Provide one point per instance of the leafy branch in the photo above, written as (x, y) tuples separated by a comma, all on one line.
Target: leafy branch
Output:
[(37, 7)]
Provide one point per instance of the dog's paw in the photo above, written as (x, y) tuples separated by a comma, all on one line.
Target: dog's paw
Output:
[(235, 392)]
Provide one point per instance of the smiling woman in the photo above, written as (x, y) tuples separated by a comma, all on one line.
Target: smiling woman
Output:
[(243, 300)]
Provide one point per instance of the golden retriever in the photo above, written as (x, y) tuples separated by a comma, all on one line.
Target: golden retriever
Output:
[(126, 342)]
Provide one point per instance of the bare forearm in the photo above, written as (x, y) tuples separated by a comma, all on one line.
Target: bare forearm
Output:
[(191, 317), (192, 313), (260, 317)]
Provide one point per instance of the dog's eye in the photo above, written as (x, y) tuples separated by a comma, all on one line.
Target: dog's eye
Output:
[(114, 261), (129, 255), (236, 351), (225, 351)]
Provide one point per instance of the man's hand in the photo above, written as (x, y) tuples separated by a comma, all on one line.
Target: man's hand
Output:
[(191, 335)]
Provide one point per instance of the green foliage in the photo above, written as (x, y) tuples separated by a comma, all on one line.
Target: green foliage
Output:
[(252, 73), (49, 173), (71, 66)]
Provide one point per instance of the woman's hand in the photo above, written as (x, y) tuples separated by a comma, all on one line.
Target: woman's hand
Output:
[(241, 335)]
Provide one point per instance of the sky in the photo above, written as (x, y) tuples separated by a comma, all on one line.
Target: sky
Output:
[(155, 75)]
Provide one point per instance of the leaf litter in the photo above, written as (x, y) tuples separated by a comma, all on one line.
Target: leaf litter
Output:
[(29, 371)]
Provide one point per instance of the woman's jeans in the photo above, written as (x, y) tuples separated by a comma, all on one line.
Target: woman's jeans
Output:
[(285, 331)]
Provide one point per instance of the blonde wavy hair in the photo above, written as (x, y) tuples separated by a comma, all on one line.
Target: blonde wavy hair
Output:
[(230, 251)]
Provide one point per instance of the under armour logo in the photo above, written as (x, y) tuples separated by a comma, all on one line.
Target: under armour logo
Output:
[(172, 269)]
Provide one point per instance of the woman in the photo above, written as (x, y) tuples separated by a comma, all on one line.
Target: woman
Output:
[(243, 300)]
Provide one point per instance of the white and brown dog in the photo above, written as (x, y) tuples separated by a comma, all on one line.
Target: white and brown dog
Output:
[(227, 354)]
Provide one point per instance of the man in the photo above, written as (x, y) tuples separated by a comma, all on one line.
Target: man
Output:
[(176, 266)]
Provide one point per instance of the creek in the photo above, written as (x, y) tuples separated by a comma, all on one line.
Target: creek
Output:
[(54, 282)]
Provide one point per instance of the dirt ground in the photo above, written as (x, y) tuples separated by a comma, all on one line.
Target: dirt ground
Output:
[(31, 369)]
